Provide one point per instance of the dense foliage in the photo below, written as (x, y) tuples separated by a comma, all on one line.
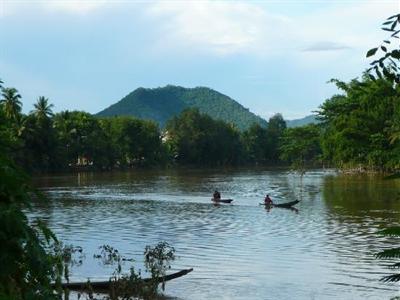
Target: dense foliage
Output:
[(359, 125), (386, 66), (28, 265), (196, 138), (392, 253), (43, 141), (301, 146), (161, 104)]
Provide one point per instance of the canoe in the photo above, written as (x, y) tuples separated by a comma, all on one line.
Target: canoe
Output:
[(104, 286), (283, 205), (287, 204), (221, 200)]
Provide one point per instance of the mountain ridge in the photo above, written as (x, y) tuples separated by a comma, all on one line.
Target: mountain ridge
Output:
[(162, 103)]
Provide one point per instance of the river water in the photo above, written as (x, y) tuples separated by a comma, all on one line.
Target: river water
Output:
[(323, 250)]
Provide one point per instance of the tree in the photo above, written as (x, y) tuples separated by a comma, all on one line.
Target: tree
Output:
[(43, 108), (79, 136), (255, 143), (27, 263), (39, 144), (196, 138), (300, 146), (275, 130), (11, 103), (134, 142), (357, 124)]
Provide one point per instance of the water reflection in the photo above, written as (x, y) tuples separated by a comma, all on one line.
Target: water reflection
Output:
[(322, 249)]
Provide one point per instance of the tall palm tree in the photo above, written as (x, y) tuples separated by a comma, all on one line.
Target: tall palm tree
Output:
[(10, 102), (43, 108)]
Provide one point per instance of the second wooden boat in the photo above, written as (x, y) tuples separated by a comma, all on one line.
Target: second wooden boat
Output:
[(283, 205), (221, 200)]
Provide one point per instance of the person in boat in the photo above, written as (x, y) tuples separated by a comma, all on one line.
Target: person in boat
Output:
[(268, 200), (217, 195)]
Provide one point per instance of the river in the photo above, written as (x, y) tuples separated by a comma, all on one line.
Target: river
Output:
[(323, 250)]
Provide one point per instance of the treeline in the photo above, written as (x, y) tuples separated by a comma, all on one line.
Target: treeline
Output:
[(44, 141), (359, 128)]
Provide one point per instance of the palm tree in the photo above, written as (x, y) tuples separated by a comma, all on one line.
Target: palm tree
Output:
[(11, 103), (43, 108)]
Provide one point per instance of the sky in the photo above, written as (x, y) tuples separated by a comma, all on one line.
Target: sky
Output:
[(270, 56)]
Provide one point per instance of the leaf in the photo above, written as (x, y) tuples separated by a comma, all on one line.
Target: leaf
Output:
[(391, 278), (372, 77), (395, 266), (394, 16), (395, 54), (371, 52), (384, 48), (389, 253), (390, 76), (386, 41), (394, 34), (391, 231), (388, 22), (387, 29), (393, 25), (378, 72)]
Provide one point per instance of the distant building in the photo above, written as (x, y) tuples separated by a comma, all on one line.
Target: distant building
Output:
[(84, 161)]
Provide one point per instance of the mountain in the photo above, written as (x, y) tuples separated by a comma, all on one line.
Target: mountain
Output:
[(161, 104), (311, 119)]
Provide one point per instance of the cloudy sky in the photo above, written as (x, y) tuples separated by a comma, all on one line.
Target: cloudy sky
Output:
[(271, 56)]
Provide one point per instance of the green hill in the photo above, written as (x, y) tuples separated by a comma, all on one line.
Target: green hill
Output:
[(161, 104), (311, 119)]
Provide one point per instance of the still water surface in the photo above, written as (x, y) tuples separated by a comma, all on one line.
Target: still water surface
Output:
[(239, 251)]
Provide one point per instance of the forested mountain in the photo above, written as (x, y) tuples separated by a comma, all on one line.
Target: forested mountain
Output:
[(311, 119), (161, 104)]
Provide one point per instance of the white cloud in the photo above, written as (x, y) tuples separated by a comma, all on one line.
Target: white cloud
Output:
[(219, 27), (224, 28), (325, 46), (81, 7), (74, 6)]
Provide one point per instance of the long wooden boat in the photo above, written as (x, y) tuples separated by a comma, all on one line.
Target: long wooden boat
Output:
[(102, 286), (287, 204), (283, 205), (221, 200)]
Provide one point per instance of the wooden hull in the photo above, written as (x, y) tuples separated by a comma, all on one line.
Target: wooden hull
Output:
[(221, 200), (103, 286), (283, 205)]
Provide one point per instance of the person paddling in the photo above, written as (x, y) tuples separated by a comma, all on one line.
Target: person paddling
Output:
[(268, 201), (217, 195)]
